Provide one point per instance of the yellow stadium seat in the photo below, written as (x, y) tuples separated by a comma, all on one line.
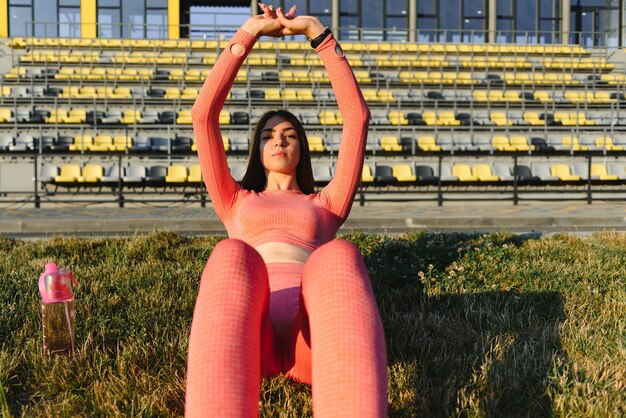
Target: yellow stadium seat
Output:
[(447, 118), (5, 115), (57, 116), (500, 119), (172, 93), (427, 143), (305, 95), (430, 118), (92, 173), (600, 171), (483, 173), (543, 96), (563, 172), (190, 93), (316, 144), (176, 174), (82, 143), (226, 143), (397, 118), (403, 173), (224, 118), (184, 117), (290, 94), (366, 176), (520, 143), (573, 143), (195, 174), (102, 143), (131, 117), (480, 95), (501, 143), (328, 117), (121, 142), (390, 143), (533, 119), (76, 116), (607, 143), (463, 172), (70, 173), (273, 94), (5, 91)]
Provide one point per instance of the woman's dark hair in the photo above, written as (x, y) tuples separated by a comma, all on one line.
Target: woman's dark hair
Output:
[(255, 179)]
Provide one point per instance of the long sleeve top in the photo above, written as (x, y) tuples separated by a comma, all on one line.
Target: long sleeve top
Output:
[(289, 216)]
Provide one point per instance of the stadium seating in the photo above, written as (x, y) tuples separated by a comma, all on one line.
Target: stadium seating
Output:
[(427, 101)]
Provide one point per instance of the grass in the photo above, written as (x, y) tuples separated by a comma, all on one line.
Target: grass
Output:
[(476, 325)]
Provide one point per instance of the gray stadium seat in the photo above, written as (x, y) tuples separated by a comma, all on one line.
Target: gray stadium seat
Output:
[(322, 173), (47, 173), (134, 175), (504, 171), (23, 143), (542, 170), (238, 171), (6, 141), (618, 169)]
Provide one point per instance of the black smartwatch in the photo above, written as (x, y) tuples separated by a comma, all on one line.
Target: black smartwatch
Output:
[(315, 42)]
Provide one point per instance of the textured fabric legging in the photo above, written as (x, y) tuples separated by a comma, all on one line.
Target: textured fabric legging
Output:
[(334, 340)]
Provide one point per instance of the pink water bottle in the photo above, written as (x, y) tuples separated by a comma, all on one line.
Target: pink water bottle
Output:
[(57, 308)]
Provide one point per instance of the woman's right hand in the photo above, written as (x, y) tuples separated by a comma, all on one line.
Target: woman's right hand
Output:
[(266, 23), (310, 26)]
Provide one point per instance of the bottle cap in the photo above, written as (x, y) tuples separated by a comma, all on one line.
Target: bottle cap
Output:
[(56, 285)]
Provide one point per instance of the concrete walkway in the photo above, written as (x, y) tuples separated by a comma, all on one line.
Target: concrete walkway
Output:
[(539, 217)]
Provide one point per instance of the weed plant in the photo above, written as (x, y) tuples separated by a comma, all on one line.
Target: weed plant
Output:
[(476, 325)]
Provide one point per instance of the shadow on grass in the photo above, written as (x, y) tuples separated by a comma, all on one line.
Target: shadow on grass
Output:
[(462, 352), (490, 352)]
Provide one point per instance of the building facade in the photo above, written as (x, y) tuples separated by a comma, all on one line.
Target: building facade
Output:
[(584, 22)]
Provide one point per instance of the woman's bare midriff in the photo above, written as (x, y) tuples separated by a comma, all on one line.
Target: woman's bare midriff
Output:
[(282, 252)]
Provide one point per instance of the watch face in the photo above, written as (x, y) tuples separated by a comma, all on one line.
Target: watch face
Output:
[(338, 50)]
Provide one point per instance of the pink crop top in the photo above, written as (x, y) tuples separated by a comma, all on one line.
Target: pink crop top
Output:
[(293, 217)]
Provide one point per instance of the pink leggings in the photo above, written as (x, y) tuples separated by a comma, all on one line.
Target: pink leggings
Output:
[(327, 333)]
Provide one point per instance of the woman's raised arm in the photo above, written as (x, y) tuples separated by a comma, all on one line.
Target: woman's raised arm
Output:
[(339, 193), (206, 110)]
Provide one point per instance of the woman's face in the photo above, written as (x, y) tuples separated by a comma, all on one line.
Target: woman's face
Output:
[(279, 146)]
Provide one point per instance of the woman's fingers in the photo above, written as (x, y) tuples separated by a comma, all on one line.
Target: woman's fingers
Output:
[(292, 12)]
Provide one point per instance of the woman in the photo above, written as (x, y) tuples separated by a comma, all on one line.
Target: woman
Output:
[(280, 295)]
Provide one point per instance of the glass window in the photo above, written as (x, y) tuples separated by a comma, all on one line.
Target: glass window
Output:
[(371, 14), (320, 6), (449, 16), (69, 22), (109, 23), (45, 12), (20, 21), (302, 7), (426, 7), (157, 24), (109, 3), (348, 6), (526, 8), (156, 3), (69, 3), (505, 7), (21, 2), (548, 8), (133, 14), (474, 8), (397, 7), (349, 28)]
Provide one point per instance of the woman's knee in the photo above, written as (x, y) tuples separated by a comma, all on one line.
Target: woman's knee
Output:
[(335, 259), (234, 264)]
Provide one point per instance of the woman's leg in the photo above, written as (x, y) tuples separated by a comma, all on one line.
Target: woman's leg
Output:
[(230, 334), (348, 353)]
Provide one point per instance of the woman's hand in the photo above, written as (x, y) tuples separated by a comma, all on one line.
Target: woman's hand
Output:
[(266, 23), (299, 25)]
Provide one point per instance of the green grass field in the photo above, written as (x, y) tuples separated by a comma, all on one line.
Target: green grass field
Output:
[(476, 325)]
